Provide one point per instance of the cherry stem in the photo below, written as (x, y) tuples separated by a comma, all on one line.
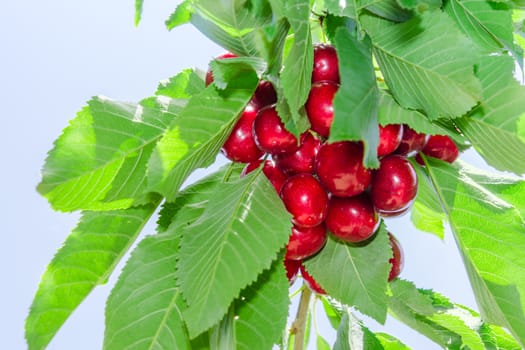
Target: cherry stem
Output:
[(299, 324)]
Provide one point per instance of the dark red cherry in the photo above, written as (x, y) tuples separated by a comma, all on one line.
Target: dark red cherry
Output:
[(397, 259), (305, 242), (311, 282), (240, 145), (411, 142), (352, 219), (270, 170), (340, 169), (326, 66), (320, 108), (302, 160), (394, 184), (305, 199), (292, 269), (209, 74), (389, 139), (270, 134), (264, 95), (442, 147)]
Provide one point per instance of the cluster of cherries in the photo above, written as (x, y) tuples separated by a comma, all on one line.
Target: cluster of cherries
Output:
[(324, 186)]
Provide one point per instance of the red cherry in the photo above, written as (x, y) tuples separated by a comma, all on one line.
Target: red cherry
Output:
[(326, 66), (302, 160), (340, 169), (311, 282), (442, 147), (305, 199), (305, 242), (411, 142), (394, 184), (240, 145), (270, 134), (265, 94), (209, 74), (270, 170), (320, 108), (389, 139), (352, 219), (397, 259), (292, 269)]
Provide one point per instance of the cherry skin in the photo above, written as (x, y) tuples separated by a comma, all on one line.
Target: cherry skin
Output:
[(270, 134), (264, 95), (240, 145), (442, 147), (302, 160), (326, 65), (389, 139), (340, 169), (411, 142), (292, 269), (311, 282), (305, 198), (394, 184), (305, 242), (320, 108), (352, 219), (209, 75), (270, 170), (397, 260)]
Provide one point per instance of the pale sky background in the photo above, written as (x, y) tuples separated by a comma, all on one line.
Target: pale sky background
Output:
[(54, 56)]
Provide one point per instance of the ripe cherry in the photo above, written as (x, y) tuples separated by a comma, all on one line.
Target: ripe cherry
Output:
[(411, 142), (240, 145), (302, 160), (270, 170), (209, 74), (326, 66), (320, 108), (442, 147), (292, 269), (264, 95), (397, 260), (389, 139), (305, 242), (340, 169), (270, 134), (394, 184), (311, 282), (352, 219), (305, 199)]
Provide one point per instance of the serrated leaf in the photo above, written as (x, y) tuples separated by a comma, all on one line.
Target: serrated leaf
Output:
[(187, 83), (332, 311), (496, 128), (87, 259), (352, 335), (427, 63), (487, 222), (138, 11), (237, 236), (197, 135), (99, 161), (390, 343), (226, 71), (355, 274), (356, 101), (181, 15), (350, 9)]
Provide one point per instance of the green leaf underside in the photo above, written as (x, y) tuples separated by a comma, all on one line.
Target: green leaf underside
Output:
[(427, 63), (496, 128), (86, 260), (355, 103), (225, 71), (180, 16), (355, 275), (197, 136), (99, 161), (187, 83), (237, 236), (490, 234)]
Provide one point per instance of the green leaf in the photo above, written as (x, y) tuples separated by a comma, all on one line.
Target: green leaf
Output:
[(87, 259), (355, 274), (138, 11), (187, 83), (496, 128), (350, 9), (420, 5), (197, 135), (352, 335), (226, 71), (237, 236), (485, 212), (356, 101), (181, 15), (389, 9), (322, 343), (333, 311), (427, 63), (390, 343)]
